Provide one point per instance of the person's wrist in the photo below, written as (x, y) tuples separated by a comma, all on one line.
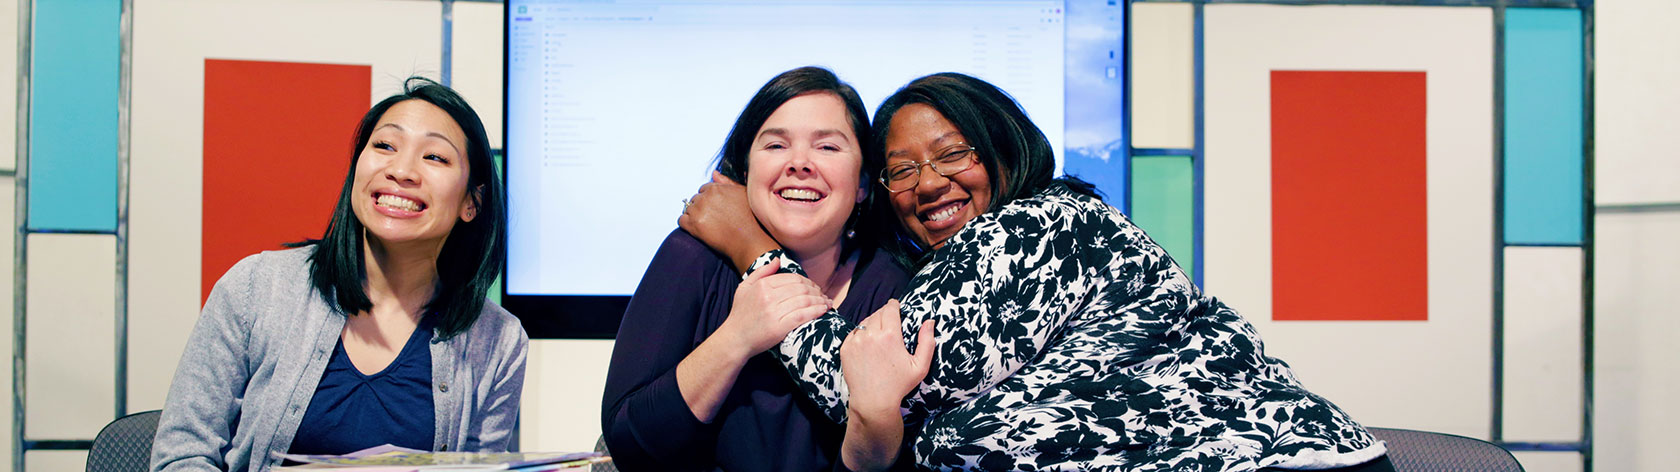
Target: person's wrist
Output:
[(872, 439), (751, 244), (873, 411), (734, 345)]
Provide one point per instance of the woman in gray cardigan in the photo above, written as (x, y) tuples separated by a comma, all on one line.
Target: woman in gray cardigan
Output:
[(379, 332)]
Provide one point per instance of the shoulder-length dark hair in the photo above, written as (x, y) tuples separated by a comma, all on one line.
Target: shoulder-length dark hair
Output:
[(474, 252), (1019, 160), (732, 159)]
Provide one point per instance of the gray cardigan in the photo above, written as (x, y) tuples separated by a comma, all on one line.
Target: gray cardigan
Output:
[(258, 352)]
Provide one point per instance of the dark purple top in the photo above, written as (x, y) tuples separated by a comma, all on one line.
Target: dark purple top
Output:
[(765, 423), (352, 411)]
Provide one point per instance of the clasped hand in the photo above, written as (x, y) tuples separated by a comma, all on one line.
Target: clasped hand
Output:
[(879, 370), (768, 306)]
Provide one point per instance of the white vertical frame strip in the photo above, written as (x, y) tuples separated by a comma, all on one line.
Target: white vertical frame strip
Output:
[(476, 62), (72, 293), (1163, 76), (1636, 267), (1543, 303), (1635, 44)]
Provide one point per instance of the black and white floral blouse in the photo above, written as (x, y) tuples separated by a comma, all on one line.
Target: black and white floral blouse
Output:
[(1068, 340)]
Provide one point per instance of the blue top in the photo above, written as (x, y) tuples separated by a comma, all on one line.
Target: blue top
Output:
[(352, 411), (765, 424)]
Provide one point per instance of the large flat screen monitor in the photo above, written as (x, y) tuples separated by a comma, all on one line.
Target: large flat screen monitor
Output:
[(616, 110)]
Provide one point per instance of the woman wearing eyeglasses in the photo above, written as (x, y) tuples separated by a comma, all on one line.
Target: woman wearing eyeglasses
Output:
[(690, 386), (1067, 339)]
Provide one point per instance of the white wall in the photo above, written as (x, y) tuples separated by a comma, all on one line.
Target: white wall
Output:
[(564, 380), (1637, 266), (1637, 55), (8, 160)]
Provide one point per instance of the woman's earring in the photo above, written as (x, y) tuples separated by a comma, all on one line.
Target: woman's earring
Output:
[(851, 233)]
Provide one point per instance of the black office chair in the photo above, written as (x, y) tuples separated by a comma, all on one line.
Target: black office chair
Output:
[(601, 447), (125, 445), (1423, 451)]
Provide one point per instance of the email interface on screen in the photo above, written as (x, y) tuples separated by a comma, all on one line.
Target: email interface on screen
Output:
[(616, 109)]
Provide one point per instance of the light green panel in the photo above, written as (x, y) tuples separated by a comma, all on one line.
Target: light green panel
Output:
[(1163, 204), (501, 173)]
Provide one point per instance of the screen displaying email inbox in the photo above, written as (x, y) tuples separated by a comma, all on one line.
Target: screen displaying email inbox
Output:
[(616, 109)]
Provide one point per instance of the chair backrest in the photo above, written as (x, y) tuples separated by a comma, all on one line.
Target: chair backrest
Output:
[(601, 447), (1423, 451), (125, 445)]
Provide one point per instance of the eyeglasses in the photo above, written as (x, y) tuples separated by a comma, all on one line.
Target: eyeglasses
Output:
[(905, 175)]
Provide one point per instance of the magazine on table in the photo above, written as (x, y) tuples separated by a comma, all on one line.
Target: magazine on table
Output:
[(388, 458)]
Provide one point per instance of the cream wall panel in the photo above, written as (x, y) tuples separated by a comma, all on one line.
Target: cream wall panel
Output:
[(72, 335), (564, 381), (52, 461), (171, 40), (1163, 76), (8, 83), (1372, 369), (1543, 343), (1636, 307), (476, 62), (1553, 462), (8, 235), (1636, 69)]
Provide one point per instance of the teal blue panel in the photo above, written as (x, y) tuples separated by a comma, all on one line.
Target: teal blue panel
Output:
[(73, 116), (1543, 126), (1163, 204)]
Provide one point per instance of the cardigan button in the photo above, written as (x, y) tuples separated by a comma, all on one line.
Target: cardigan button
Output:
[(443, 387)]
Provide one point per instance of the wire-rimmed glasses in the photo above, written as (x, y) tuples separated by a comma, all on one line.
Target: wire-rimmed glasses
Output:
[(905, 175)]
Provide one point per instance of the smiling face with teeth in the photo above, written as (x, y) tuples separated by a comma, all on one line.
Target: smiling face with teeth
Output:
[(938, 206), (802, 173), (411, 178)]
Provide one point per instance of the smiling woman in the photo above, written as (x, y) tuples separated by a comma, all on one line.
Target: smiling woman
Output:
[(803, 175), (690, 386), (410, 181), (377, 333)]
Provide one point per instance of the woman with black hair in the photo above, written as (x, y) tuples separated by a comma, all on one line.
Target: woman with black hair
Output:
[(690, 386), (1068, 340), (377, 333)]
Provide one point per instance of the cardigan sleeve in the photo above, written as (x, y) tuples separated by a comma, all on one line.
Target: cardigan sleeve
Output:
[(498, 413), (644, 419), (196, 428)]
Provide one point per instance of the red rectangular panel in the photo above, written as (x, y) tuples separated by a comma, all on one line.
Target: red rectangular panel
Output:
[(1349, 196), (277, 139)]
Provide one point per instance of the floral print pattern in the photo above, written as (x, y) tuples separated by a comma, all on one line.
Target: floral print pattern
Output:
[(1068, 340)]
